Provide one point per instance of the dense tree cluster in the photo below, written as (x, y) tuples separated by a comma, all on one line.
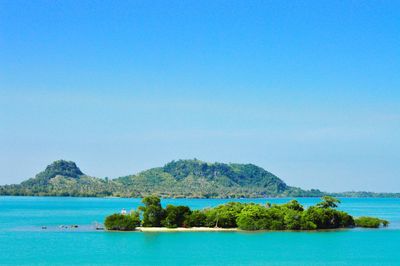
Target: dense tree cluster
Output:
[(292, 216), (121, 222), (175, 216), (153, 213), (250, 216)]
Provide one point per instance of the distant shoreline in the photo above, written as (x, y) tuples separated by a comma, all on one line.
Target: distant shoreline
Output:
[(176, 179), (213, 198)]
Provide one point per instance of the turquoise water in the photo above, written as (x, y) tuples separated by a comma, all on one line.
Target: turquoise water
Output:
[(23, 242)]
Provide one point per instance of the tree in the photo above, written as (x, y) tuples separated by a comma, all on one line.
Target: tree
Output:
[(328, 202), (289, 216), (254, 217), (294, 205), (224, 215), (326, 218), (175, 216), (153, 213), (196, 219), (122, 222), (346, 220), (292, 219)]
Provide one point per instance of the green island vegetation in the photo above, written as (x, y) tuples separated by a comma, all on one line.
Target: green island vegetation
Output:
[(121, 222), (370, 222), (244, 216), (176, 179)]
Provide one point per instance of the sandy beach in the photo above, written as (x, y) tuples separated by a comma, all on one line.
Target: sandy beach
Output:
[(183, 229)]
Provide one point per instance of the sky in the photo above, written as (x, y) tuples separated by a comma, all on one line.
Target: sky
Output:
[(308, 90)]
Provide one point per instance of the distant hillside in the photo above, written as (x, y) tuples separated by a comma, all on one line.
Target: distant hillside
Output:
[(194, 178), (61, 178), (182, 178)]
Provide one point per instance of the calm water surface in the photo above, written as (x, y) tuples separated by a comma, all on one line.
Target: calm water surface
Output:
[(23, 242)]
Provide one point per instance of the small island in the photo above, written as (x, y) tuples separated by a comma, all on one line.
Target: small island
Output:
[(234, 216)]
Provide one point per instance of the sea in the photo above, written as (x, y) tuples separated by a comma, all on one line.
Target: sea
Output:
[(37, 231)]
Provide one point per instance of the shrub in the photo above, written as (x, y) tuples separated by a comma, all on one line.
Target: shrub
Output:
[(122, 222), (370, 222)]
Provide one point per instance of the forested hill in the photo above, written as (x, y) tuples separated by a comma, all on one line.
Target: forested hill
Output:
[(182, 178), (194, 178)]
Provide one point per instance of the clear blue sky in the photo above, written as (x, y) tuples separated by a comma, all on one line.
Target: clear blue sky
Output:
[(309, 90)]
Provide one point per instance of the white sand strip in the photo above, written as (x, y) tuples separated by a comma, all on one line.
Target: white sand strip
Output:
[(183, 229)]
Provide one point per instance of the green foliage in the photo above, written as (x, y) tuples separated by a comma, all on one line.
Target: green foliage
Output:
[(250, 216), (122, 222), (183, 178), (57, 168), (326, 218), (365, 194), (61, 167), (177, 179), (224, 215), (292, 216), (346, 220), (153, 213), (175, 216), (293, 205), (292, 219), (254, 217), (370, 222), (278, 217), (328, 202), (196, 219)]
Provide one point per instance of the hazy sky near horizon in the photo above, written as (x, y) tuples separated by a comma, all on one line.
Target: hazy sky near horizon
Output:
[(309, 90)]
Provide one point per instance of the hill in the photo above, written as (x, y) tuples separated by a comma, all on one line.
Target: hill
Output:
[(194, 178), (61, 178), (182, 178)]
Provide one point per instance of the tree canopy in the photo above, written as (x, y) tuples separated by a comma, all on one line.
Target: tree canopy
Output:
[(152, 211), (328, 202), (249, 216), (122, 222)]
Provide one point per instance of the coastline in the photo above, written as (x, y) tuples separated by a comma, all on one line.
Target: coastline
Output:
[(219, 229), (184, 229)]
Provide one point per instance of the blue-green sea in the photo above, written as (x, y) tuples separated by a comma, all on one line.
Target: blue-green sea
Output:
[(24, 242)]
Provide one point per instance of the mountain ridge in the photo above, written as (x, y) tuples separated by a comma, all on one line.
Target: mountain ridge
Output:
[(176, 179)]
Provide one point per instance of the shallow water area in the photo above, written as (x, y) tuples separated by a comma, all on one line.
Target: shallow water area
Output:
[(23, 241)]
